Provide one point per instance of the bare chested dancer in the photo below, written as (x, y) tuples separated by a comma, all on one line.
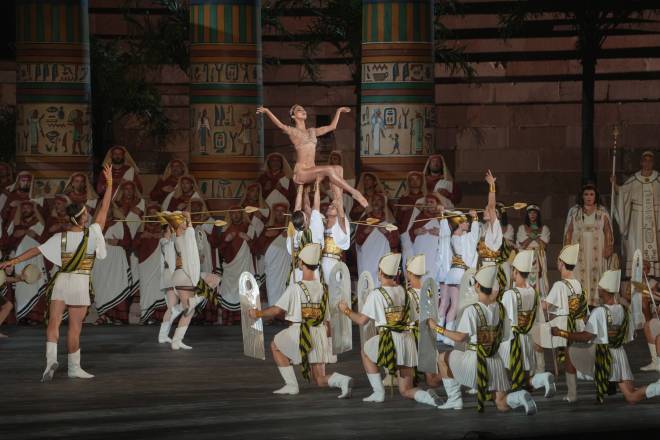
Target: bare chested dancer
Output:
[(304, 140)]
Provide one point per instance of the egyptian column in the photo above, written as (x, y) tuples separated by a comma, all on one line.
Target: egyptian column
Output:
[(226, 137), (397, 111), (53, 111)]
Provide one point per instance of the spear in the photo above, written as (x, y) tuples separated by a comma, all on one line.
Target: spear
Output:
[(247, 209), (615, 135), (517, 206), (218, 223)]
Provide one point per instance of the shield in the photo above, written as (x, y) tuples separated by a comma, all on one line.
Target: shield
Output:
[(467, 294), (365, 286), (542, 336), (427, 350), (339, 287), (253, 329)]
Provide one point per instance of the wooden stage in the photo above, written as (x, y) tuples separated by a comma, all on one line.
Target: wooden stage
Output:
[(143, 390)]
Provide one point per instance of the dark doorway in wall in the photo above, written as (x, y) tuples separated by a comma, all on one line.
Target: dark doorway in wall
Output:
[(7, 30)]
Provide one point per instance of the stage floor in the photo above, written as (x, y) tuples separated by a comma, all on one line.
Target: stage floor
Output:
[(143, 390)]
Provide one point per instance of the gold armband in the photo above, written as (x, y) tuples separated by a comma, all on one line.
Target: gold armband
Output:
[(492, 187), (259, 314), (347, 312), (440, 330)]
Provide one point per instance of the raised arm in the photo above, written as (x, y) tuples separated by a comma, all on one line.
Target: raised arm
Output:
[(491, 207), (317, 193), (320, 131), (299, 197), (272, 117), (102, 212)]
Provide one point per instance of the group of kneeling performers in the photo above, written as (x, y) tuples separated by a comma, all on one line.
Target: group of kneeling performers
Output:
[(494, 353)]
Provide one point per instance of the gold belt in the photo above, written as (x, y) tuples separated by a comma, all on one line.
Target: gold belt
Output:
[(330, 247), (86, 264), (311, 310), (486, 252), (457, 262), (524, 318), (573, 304), (333, 256), (394, 315)]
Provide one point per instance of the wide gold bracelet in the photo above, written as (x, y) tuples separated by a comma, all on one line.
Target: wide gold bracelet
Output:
[(440, 330), (492, 187), (564, 334), (347, 312), (259, 314)]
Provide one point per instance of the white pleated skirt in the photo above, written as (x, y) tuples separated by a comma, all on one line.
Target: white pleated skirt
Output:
[(454, 276), (404, 344), (463, 366), (526, 349), (288, 342), (72, 288), (584, 359)]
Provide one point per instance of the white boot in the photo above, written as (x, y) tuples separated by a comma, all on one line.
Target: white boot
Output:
[(51, 362), (653, 390), (177, 340), (435, 396), (454, 399), (571, 384), (524, 399), (545, 380), (653, 365), (378, 395), (163, 337), (342, 382), (540, 362), (425, 398), (75, 371), (290, 381)]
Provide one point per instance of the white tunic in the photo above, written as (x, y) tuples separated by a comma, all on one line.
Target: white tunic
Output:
[(151, 294), (637, 211), (510, 303), (112, 277), (73, 288), (463, 364), (404, 342), (317, 228), (464, 245), (558, 299), (342, 241), (584, 357), (428, 245), (288, 340)]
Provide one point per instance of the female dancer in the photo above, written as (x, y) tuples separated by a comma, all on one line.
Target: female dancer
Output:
[(304, 140)]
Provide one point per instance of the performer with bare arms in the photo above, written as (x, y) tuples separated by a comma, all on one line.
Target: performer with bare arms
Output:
[(304, 140)]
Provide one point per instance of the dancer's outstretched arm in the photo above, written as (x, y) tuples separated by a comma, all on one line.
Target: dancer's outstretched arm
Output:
[(272, 117), (102, 213), (320, 131), (491, 207), (317, 194)]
